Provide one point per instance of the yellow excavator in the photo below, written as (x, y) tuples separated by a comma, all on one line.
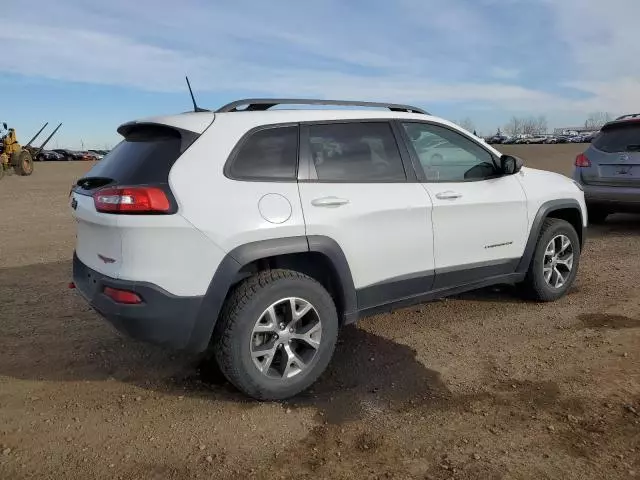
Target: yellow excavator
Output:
[(13, 156)]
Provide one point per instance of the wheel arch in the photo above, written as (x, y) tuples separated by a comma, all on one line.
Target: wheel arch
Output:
[(320, 257), (566, 209)]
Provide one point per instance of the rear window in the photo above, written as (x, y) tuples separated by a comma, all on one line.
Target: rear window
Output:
[(145, 156), (619, 138), (268, 154)]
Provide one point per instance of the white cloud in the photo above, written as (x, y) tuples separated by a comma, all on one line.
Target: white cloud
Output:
[(601, 36), (429, 52), (80, 55), (505, 73)]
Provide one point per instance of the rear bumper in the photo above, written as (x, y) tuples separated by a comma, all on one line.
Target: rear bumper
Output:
[(622, 198), (162, 318)]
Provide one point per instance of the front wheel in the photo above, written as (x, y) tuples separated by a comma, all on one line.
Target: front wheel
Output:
[(276, 334), (555, 261)]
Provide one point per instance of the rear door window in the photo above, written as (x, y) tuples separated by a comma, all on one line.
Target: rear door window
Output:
[(269, 154), (619, 138), (356, 152)]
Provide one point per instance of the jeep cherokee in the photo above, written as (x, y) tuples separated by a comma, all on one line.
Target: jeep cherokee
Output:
[(258, 232)]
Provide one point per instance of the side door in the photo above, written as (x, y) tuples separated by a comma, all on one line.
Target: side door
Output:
[(479, 214), (358, 188)]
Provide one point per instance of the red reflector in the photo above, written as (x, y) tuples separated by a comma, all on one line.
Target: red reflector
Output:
[(122, 296), (582, 161), (131, 200), (72, 285)]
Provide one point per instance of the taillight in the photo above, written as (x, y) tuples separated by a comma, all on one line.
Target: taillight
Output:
[(131, 200), (582, 161), (122, 296)]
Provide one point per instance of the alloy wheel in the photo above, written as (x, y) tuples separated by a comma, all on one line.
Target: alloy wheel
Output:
[(558, 261), (286, 338)]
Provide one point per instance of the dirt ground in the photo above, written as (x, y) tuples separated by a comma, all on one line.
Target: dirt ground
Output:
[(480, 386)]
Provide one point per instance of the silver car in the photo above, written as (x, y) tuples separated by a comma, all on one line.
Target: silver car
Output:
[(609, 170)]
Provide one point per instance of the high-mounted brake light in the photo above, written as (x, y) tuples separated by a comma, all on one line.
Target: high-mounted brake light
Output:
[(122, 296), (582, 161), (131, 200)]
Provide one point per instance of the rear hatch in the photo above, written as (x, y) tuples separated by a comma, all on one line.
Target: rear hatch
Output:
[(132, 180), (614, 156)]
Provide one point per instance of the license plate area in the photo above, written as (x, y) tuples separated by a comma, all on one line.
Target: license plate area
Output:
[(619, 171)]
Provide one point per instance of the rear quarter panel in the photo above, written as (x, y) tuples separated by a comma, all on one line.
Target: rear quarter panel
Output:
[(226, 210)]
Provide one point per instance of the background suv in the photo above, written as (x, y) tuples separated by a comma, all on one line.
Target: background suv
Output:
[(609, 170), (258, 233)]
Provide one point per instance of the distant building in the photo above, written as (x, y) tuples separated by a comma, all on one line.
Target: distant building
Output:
[(571, 130)]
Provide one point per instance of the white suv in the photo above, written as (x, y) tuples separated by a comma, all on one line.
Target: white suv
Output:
[(259, 232)]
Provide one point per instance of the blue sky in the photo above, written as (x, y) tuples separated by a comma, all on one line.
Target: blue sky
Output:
[(93, 64)]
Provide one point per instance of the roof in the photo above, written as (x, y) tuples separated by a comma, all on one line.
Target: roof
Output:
[(261, 104), (199, 121)]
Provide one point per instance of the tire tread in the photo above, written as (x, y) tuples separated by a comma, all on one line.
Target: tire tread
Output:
[(230, 315), (533, 286)]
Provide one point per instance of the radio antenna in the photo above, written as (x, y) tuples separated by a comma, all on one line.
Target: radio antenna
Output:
[(196, 108)]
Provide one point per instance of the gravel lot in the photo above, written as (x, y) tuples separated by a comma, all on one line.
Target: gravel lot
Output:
[(482, 385)]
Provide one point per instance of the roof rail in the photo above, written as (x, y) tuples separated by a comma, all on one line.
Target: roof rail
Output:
[(630, 115), (261, 104)]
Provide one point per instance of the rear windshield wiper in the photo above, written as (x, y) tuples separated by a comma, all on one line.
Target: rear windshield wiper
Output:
[(89, 183), (633, 148)]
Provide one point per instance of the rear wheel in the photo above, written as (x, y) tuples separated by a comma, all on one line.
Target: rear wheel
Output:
[(23, 163), (555, 261), (276, 334)]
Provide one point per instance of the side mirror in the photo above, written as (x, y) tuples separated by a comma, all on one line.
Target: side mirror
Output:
[(510, 164)]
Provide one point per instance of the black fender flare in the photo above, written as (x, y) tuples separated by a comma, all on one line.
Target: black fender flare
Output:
[(543, 212), (228, 270)]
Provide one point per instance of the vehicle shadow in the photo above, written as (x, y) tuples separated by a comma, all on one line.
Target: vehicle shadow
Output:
[(621, 224), (368, 375), (50, 334)]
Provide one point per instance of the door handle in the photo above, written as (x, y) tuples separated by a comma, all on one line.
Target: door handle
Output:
[(448, 195), (330, 202)]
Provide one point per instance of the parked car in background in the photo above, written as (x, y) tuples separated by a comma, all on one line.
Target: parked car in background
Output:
[(99, 154), (535, 139), (87, 156), (551, 139), (68, 155), (496, 139), (588, 138), (609, 170), (48, 156)]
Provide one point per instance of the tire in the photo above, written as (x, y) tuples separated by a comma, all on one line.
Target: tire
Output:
[(23, 163), (536, 286), (597, 215), (235, 339)]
